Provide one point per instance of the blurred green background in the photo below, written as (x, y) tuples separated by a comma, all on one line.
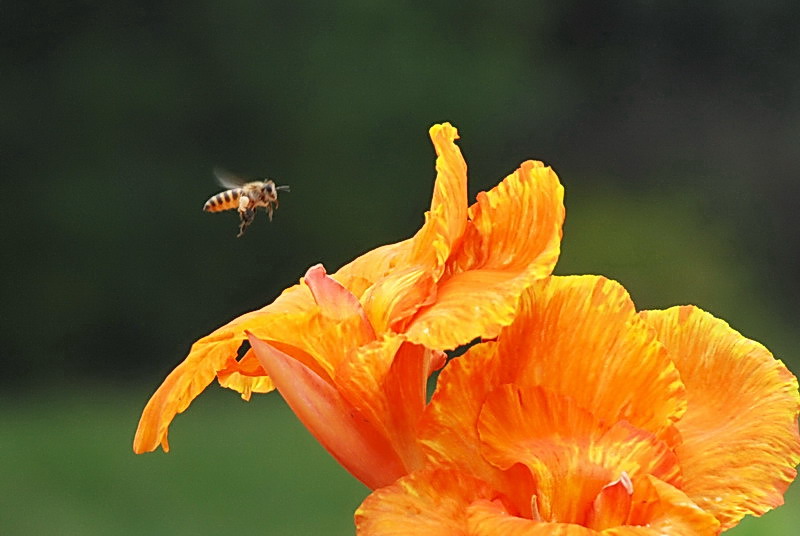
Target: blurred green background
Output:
[(673, 126)]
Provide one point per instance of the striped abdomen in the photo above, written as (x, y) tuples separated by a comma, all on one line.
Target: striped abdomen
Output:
[(224, 200)]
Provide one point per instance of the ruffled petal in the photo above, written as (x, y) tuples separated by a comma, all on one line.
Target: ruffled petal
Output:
[(740, 436), (566, 448), (432, 502), (513, 239), (517, 225), (580, 336), (351, 437)]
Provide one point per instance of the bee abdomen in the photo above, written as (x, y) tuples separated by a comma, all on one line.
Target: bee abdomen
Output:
[(224, 200)]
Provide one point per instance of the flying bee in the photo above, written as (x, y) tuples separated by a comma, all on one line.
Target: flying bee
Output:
[(244, 196)]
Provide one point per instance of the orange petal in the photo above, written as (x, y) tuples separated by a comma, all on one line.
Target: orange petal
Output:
[(448, 428), (393, 300), (513, 239), (361, 273), (445, 222), (577, 336), (490, 518), (612, 505), (245, 376), (208, 356), (387, 381), (566, 447), (580, 336), (658, 508), (295, 319), (351, 438), (740, 437), (432, 502), (517, 225)]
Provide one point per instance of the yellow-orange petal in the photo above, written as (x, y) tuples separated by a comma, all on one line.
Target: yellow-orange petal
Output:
[(566, 447), (386, 381), (315, 328), (658, 508), (490, 518), (393, 300), (351, 437), (448, 428), (740, 436), (432, 502), (445, 222), (580, 336), (513, 239), (206, 358), (245, 376), (362, 272)]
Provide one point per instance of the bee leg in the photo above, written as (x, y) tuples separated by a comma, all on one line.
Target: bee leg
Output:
[(269, 211), (244, 202), (246, 217)]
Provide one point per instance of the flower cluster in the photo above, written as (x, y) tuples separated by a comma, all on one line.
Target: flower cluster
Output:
[(574, 414)]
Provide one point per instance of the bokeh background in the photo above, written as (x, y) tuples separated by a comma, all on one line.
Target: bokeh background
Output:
[(674, 127)]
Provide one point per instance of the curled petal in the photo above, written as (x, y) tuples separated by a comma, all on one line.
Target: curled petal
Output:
[(208, 356), (513, 239), (313, 317), (245, 376), (740, 438), (393, 300), (517, 225), (445, 222), (352, 438), (432, 502)]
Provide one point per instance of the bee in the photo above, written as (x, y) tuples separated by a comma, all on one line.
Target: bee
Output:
[(244, 196)]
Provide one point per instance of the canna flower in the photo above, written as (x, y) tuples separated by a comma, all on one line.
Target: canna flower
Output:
[(584, 417), (459, 278)]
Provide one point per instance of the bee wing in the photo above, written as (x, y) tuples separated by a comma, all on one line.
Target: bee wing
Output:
[(228, 179)]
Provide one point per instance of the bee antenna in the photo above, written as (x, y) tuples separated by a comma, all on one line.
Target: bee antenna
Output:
[(284, 187)]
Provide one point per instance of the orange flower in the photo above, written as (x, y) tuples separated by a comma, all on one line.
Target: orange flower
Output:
[(457, 279), (584, 417)]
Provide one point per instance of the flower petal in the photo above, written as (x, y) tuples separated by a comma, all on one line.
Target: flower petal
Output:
[(580, 336), (295, 319), (513, 239), (577, 336), (432, 502), (658, 508), (387, 381), (351, 438), (446, 220), (245, 376), (566, 447), (209, 355), (740, 437), (489, 518)]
